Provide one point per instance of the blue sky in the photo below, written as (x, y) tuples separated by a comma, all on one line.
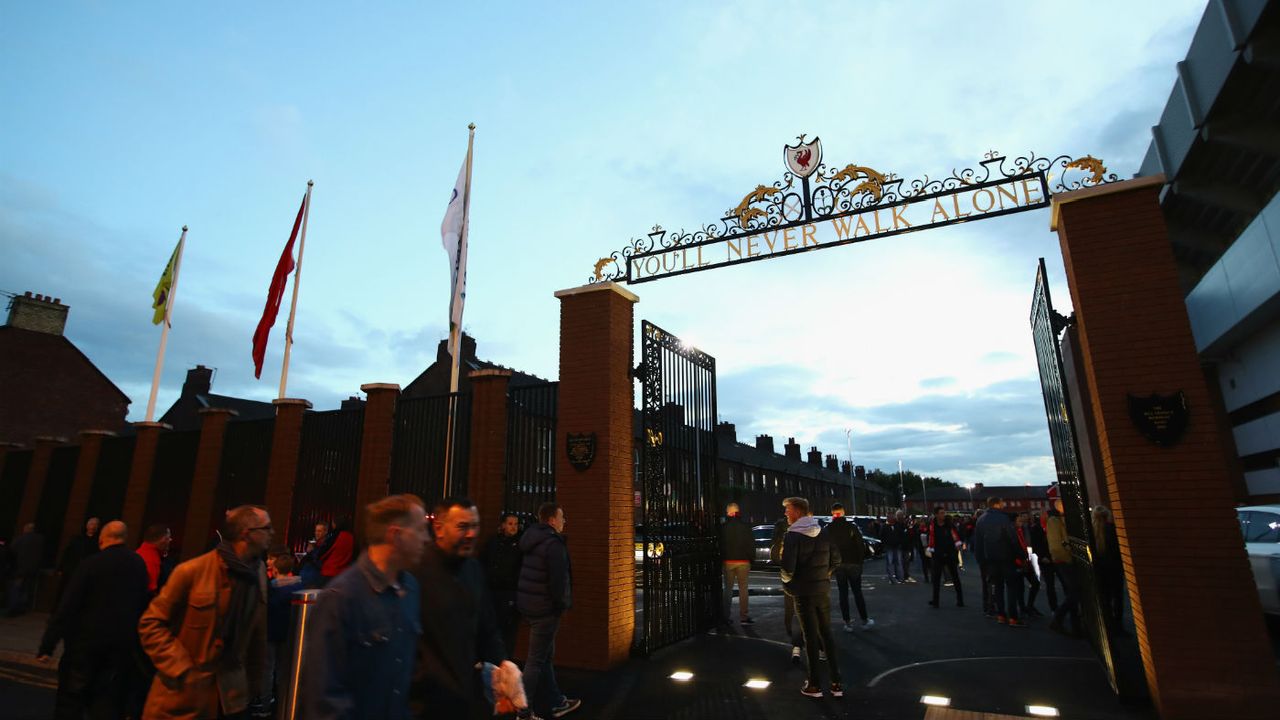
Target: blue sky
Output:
[(123, 121)]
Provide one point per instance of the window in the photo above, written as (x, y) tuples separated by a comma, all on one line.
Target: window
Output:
[(1263, 527)]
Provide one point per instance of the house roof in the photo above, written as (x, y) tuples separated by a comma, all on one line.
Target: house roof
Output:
[(15, 340)]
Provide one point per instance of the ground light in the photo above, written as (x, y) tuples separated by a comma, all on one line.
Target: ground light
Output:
[(757, 684), (1042, 710), (937, 700), (682, 676)]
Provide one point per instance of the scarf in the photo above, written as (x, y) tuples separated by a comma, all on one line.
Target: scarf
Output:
[(244, 584)]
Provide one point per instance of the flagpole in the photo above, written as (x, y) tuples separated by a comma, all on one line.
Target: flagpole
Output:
[(164, 330), (297, 279), (455, 329)]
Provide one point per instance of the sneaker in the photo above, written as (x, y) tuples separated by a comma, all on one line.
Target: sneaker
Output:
[(848, 626), (811, 690), (1015, 622), (795, 653), (837, 690), (910, 580), (746, 621), (868, 624), (1001, 619), (822, 654), (565, 707)]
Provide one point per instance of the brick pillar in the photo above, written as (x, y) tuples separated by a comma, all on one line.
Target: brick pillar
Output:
[(82, 485), (1195, 605), (140, 472), (36, 475), (376, 440), (487, 478), (596, 391), (282, 469), (204, 480)]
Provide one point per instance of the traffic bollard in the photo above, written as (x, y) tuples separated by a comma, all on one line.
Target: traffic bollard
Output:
[(303, 605)]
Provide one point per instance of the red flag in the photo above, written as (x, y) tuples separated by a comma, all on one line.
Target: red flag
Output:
[(274, 295)]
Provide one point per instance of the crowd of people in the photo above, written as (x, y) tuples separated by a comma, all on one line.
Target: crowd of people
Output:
[(422, 622), (1017, 556)]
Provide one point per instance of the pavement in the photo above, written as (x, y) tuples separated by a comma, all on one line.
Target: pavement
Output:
[(987, 670)]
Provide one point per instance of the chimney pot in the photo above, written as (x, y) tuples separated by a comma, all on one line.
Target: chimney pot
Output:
[(27, 294), (57, 301)]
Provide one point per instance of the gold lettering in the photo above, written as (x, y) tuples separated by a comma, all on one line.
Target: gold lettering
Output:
[(1027, 188), (664, 261), (991, 200), (752, 249), (809, 233), (875, 217), (955, 203), (732, 246), (684, 258), (788, 238), (769, 239), (652, 265), (898, 216), (700, 262), (938, 210), (862, 225), (841, 226), (1001, 193)]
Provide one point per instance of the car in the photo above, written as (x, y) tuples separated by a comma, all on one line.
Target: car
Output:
[(763, 535), (1260, 526)]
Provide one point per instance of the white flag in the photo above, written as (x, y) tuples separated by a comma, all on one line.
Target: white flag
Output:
[(453, 235)]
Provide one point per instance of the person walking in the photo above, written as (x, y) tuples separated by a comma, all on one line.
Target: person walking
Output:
[(943, 546), (919, 541), (27, 551), (891, 536), (788, 604), (360, 648), (205, 631), (78, 549), (1064, 569), (737, 548), (847, 540), (283, 584), (998, 548), (97, 621), (1027, 563), (501, 560), (808, 560), (153, 549), (1040, 546), (545, 593)]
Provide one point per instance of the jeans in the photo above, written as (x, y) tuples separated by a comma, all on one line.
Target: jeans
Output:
[(1034, 584), (739, 573), (893, 563), (815, 624), (539, 674), (100, 685), (1048, 571), (849, 576), (21, 592), (504, 610), (1070, 604), (788, 621), (1004, 576), (937, 565)]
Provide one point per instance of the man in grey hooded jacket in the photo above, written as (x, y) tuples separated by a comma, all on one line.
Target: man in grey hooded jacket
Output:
[(808, 560)]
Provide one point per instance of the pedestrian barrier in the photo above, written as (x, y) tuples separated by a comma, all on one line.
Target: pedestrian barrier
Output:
[(303, 603)]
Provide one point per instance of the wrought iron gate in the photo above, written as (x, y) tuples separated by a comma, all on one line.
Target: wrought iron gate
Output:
[(678, 532), (1046, 326), (531, 449)]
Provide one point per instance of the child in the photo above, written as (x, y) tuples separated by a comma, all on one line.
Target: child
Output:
[(279, 621)]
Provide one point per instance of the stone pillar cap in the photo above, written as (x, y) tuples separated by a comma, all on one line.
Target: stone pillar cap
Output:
[(598, 287), (10, 445), (489, 372), (1057, 201), (292, 401), (50, 439), (369, 387), (103, 433), (218, 410), (162, 426)]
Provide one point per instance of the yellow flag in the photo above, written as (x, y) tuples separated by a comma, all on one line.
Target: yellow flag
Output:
[(161, 295)]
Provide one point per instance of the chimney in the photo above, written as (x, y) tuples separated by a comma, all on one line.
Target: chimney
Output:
[(833, 463), (977, 486), (727, 433), (846, 469), (355, 402), (199, 381), (792, 449), (38, 312), (815, 457), (860, 472), (764, 442)]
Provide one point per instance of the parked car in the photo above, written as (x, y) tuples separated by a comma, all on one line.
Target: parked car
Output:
[(763, 535), (1260, 525)]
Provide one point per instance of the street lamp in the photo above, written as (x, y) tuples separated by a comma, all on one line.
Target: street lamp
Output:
[(969, 487)]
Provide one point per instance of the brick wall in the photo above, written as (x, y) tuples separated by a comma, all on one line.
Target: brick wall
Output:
[(487, 473), (204, 482), (596, 391), (283, 466), (376, 440), (1195, 606)]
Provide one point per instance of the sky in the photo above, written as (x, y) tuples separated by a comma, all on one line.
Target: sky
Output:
[(123, 121)]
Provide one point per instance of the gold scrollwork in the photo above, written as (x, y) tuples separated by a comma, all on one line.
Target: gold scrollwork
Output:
[(744, 212), (655, 438), (1091, 164), (874, 183), (600, 266)]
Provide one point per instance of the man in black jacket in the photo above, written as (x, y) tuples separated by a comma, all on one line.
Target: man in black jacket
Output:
[(943, 548), (737, 547), (994, 543), (544, 593), (458, 625), (847, 540), (501, 560), (808, 559), (78, 549), (98, 621)]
